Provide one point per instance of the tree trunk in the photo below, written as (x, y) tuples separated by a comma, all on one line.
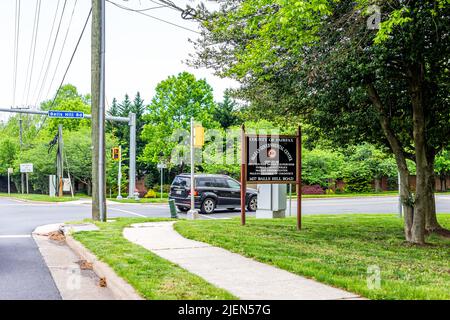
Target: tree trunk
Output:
[(431, 223), (377, 184), (406, 200), (400, 158), (422, 199)]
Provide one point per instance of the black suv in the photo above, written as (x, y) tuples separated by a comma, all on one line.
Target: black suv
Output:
[(211, 191)]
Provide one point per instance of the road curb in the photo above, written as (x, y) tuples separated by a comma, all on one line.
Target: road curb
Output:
[(119, 287)]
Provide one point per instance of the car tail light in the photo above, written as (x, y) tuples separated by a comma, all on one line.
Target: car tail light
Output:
[(195, 193)]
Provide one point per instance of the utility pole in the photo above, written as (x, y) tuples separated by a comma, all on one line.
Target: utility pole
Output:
[(20, 144), (59, 161), (98, 110)]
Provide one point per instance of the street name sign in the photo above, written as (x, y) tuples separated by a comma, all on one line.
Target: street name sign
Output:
[(26, 167), (66, 114), (271, 159), (161, 166)]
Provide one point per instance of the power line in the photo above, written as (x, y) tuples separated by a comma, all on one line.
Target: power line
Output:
[(51, 53), (46, 50), (137, 10), (68, 67), (62, 48), (16, 50), (159, 19), (32, 52)]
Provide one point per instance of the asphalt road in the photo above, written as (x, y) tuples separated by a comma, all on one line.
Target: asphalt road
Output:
[(24, 275)]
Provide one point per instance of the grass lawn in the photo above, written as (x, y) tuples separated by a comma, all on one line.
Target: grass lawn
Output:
[(39, 197), (337, 250), (152, 276)]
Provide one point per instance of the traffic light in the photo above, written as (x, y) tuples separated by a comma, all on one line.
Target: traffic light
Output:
[(116, 154), (199, 136)]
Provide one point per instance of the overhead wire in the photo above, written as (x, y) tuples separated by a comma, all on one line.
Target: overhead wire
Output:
[(156, 18), (29, 77), (51, 53), (16, 49), (62, 49), (67, 69), (46, 50)]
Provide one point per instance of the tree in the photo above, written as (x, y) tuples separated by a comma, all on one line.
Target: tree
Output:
[(122, 132), (321, 166), (386, 85), (226, 113), (68, 99), (442, 168), (177, 99)]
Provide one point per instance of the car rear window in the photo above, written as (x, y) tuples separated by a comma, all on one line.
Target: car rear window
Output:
[(181, 182)]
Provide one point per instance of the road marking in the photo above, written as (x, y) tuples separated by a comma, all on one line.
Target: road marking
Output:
[(129, 212), (15, 236)]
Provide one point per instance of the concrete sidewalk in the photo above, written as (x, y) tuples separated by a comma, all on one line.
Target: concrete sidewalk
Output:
[(243, 277)]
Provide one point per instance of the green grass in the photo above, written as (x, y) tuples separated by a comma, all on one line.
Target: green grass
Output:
[(39, 197), (153, 277), (337, 250)]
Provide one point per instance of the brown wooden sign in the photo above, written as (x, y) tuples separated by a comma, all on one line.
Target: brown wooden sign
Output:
[(271, 159)]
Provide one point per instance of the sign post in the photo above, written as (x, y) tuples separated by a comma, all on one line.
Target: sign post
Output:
[(271, 159), (243, 173), (299, 177), (10, 172), (162, 166), (117, 156), (26, 168)]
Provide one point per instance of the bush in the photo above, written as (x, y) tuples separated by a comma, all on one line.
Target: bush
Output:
[(315, 189), (150, 194)]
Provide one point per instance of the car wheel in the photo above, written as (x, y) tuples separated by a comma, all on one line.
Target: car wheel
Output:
[(252, 204), (182, 209), (208, 206)]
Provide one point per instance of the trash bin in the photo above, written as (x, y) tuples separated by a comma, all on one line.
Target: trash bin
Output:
[(173, 209)]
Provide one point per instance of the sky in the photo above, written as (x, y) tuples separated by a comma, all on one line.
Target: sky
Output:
[(140, 51)]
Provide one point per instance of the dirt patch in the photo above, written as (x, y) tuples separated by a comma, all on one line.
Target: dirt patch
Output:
[(102, 282), (57, 236), (84, 264)]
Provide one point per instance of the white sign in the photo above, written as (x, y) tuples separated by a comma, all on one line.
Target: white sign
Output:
[(66, 185), (26, 167), (10, 170), (162, 166)]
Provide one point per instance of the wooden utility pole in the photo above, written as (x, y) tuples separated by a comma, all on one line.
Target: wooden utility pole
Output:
[(98, 110)]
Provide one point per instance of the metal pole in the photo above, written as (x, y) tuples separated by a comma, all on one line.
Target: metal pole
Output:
[(119, 176), (192, 213), (243, 173), (26, 177), (162, 172), (132, 174), (9, 183)]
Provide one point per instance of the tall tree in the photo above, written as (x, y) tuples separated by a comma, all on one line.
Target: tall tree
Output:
[(177, 99), (355, 80), (226, 112)]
